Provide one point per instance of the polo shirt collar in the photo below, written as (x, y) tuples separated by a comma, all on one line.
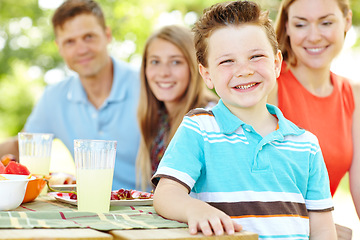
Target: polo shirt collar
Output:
[(286, 127), (77, 92), (118, 89), (228, 122)]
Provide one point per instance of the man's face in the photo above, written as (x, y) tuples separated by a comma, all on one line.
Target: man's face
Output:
[(82, 42)]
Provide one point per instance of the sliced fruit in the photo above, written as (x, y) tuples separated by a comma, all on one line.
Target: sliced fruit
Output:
[(2, 168), (16, 168), (7, 158)]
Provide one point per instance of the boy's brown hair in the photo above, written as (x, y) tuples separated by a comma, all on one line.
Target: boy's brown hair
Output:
[(227, 14), (72, 8)]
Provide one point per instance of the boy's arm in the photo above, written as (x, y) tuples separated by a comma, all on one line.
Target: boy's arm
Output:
[(322, 226), (171, 200)]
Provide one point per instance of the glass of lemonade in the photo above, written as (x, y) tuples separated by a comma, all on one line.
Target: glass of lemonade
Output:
[(35, 151), (94, 162)]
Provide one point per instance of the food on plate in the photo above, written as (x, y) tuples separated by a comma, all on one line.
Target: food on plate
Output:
[(73, 196), (16, 168), (7, 158), (61, 178), (121, 194)]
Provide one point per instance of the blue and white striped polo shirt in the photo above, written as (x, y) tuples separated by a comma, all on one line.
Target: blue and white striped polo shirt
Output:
[(266, 184)]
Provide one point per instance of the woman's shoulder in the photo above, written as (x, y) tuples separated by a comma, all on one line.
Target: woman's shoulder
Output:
[(348, 86), (355, 86)]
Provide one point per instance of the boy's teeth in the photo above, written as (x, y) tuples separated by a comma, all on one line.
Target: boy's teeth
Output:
[(245, 86)]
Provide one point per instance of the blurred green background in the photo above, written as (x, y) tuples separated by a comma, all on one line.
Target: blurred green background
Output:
[(29, 59)]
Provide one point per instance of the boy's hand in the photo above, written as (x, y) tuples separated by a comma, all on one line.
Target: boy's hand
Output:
[(171, 200), (209, 220)]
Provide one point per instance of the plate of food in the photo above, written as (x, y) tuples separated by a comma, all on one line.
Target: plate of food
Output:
[(121, 197), (60, 182)]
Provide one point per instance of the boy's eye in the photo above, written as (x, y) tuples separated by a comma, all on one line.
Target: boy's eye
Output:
[(256, 56), (226, 61)]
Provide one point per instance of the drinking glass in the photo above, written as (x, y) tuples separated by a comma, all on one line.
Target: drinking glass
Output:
[(94, 162), (35, 151)]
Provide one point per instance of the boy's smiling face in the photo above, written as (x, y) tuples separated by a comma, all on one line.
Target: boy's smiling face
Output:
[(242, 66)]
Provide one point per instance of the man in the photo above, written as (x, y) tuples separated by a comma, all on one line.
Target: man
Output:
[(100, 102)]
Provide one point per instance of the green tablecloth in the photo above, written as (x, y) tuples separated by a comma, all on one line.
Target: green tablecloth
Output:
[(46, 212)]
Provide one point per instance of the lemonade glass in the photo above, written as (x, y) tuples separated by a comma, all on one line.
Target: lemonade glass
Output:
[(94, 162), (35, 151)]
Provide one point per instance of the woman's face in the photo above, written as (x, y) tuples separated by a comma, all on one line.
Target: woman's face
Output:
[(167, 71), (316, 29)]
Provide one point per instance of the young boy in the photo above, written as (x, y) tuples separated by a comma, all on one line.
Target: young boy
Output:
[(243, 158)]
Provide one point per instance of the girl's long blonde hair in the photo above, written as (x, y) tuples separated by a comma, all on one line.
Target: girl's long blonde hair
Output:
[(196, 95)]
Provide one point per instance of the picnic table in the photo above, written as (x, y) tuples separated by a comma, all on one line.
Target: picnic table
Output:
[(47, 218)]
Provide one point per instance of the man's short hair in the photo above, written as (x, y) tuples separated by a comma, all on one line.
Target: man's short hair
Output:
[(72, 8)]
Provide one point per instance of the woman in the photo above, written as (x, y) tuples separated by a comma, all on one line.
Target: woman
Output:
[(311, 33), (170, 86)]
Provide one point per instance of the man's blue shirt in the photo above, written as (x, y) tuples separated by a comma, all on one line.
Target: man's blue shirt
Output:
[(65, 111)]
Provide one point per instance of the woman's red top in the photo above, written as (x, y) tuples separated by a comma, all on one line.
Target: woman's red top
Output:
[(329, 118)]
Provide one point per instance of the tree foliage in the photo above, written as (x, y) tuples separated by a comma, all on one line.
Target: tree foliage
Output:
[(28, 52)]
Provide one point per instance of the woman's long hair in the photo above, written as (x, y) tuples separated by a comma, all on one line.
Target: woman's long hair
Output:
[(196, 95)]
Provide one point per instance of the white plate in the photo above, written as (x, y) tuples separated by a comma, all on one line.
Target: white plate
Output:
[(133, 202), (64, 187)]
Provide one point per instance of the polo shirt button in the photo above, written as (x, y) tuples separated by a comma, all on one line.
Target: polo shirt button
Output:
[(260, 149), (94, 115), (101, 132)]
